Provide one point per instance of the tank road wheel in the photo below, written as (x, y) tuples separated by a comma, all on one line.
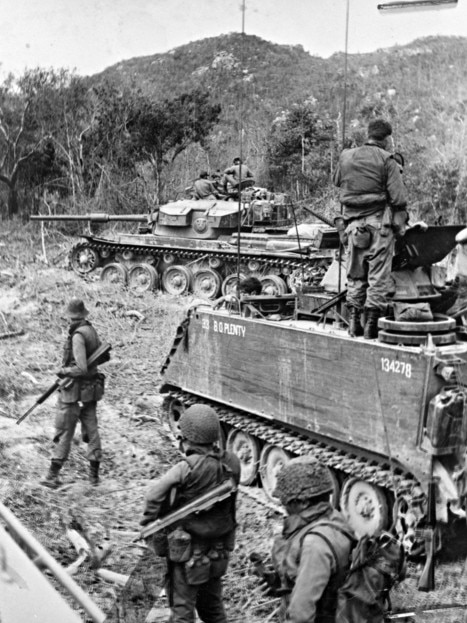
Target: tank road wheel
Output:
[(364, 506), (271, 461), (215, 262), (207, 283), (230, 283), (247, 449), (84, 259), (143, 278), (115, 273), (273, 285), (177, 279)]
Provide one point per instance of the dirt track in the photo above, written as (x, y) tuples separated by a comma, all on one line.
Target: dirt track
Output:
[(136, 447)]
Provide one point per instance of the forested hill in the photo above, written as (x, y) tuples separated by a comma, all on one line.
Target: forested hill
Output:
[(277, 76), (421, 87)]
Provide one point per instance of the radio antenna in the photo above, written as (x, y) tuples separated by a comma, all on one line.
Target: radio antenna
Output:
[(346, 54), (242, 63)]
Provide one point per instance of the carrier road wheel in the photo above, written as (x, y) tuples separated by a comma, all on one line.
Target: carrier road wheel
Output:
[(207, 284), (230, 283), (177, 279), (143, 278), (246, 447), (273, 285), (84, 259), (115, 273), (271, 461), (173, 410), (364, 506)]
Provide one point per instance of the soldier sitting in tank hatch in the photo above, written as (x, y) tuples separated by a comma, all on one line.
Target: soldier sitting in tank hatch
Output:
[(250, 286), (204, 188), (238, 173)]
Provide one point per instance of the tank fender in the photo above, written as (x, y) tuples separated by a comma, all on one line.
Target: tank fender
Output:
[(448, 493)]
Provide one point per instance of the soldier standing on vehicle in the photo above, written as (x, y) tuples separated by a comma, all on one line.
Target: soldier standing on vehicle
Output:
[(373, 197), (204, 188), (311, 557), (238, 172), (197, 551), (77, 401)]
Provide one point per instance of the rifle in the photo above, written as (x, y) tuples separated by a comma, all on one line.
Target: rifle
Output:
[(427, 579), (202, 503), (97, 357)]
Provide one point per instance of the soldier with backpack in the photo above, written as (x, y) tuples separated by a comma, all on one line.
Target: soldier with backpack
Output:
[(197, 550), (312, 555)]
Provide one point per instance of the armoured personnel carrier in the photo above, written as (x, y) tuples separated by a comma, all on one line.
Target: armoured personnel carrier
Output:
[(387, 417), (194, 246)]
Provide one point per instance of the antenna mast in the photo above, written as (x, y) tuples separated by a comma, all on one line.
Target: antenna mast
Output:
[(242, 63), (346, 50)]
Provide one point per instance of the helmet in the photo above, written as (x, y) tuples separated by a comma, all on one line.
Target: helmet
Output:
[(302, 480), (200, 424), (76, 309)]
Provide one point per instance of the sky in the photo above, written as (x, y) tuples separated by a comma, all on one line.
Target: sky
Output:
[(90, 35)]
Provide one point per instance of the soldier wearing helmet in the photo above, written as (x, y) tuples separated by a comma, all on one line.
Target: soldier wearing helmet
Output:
[(194, 580), (77, 400), (311, 557)]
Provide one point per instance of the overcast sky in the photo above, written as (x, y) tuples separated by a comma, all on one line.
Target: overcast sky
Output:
[(90, 35)]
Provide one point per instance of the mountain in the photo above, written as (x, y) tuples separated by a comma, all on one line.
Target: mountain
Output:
[(421, 87)]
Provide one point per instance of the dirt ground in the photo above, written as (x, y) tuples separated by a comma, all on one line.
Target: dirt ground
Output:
[(34, 290)]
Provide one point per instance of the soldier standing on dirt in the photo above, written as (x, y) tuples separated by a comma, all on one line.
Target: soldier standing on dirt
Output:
[(194, 578), (77, 401), (312, 555), (374, 199)]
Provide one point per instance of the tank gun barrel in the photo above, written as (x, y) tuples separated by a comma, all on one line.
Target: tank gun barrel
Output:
[(97, 217), (321, 217)]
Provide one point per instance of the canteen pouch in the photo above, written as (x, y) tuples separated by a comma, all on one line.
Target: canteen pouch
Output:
[(361, 237), (179, 544), (198, 568)]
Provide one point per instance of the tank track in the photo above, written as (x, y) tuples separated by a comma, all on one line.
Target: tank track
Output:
[(379, 474), (203, 253)]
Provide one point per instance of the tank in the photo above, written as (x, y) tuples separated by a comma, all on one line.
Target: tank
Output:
[(193, 246), (387, 417)]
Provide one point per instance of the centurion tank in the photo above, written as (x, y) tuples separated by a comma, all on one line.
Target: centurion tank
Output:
[(194, 246), (387, 417)]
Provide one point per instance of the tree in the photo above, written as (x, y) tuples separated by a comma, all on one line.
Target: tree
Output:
[(300, 147), (40, 114)]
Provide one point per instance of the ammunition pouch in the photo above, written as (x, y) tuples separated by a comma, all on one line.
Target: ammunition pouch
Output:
[(84, 389), (179, 545), (206, 562), (158, 543)]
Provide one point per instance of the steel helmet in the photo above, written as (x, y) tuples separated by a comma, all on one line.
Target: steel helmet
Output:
[(200, 424), (301, 480)]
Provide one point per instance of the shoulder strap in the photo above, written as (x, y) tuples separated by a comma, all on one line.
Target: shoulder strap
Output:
[(315, 530)]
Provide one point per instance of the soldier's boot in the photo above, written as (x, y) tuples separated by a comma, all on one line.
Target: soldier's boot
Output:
[(52, 480), (355, 325), (370, 331), (94, 472)]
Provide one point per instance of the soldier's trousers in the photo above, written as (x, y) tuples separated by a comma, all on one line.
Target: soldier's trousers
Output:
[(184, 598), (369, 279), (68, 416)]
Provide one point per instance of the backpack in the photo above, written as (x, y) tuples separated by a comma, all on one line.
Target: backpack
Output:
[(377, 563)]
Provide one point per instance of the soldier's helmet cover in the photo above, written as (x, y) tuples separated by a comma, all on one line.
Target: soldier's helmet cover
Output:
[(76, 309), (302, 480), (199, 424)]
